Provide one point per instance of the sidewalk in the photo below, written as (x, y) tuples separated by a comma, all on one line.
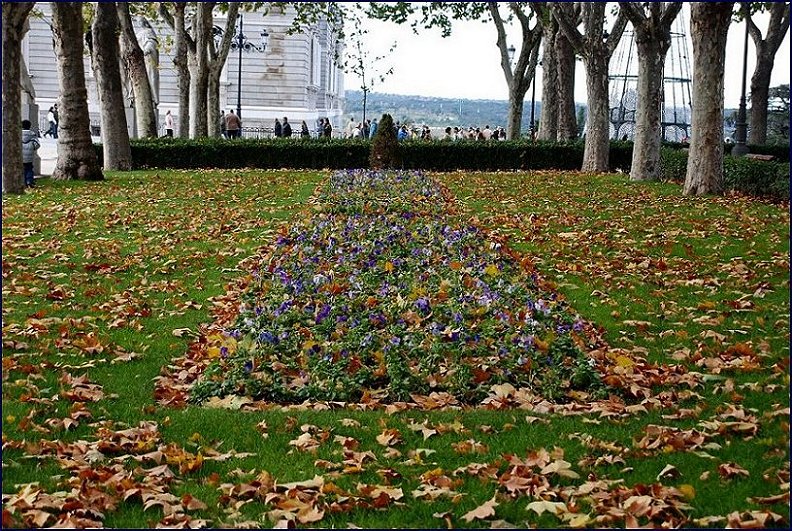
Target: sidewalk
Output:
[(49, 154)]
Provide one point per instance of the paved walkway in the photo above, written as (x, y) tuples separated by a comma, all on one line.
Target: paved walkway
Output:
[(49, 154)]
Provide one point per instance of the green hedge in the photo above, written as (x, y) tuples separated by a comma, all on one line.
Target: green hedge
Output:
[(335, 154), (753, 177), (757, 178), (165, 153), (779, 151), (767, 179)]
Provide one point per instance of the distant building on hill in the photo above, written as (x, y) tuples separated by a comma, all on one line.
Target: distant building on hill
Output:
[(296, 76)]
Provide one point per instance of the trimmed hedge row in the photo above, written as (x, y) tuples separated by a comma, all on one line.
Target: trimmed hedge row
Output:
[(338, 154), (779, 151), (753, 177), (759, 178)]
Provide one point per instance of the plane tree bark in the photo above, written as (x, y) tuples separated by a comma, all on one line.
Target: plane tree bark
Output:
[(76, 155), (135, 67), (766, 48), (652, 25), (104, 60), (709, 25), (217, 58), (14, 16), (596, 46), (182, 42)]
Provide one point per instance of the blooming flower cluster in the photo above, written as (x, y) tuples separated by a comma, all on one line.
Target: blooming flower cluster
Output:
[(378, 295)]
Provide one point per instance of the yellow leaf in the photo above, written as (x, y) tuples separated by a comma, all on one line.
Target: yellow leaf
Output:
[(492, 270), (389, 267), (687, 491), (213, 352), (624, 361)]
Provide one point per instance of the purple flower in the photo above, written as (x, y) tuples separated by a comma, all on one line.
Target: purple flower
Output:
[(323, 313), (422, 304), (284, 307), (268, 337)]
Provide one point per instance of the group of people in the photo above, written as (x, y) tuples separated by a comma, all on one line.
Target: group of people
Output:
[(474, 133), (368, 128), (361, 130)]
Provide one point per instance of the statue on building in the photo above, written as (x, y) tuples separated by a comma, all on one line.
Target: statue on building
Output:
[(28, 91), (149, 43)]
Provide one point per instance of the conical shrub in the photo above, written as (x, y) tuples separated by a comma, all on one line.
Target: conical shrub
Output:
[(385, 149)]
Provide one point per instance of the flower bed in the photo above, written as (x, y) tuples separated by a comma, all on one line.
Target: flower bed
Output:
[(376, 295)]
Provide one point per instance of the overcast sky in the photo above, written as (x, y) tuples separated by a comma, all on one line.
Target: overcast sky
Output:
[(467, 64)]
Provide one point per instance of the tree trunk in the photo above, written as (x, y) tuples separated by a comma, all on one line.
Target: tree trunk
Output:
[(14, 15), (648, 129), (565, 87), (548, 119), (199, 71), (597, 149), (135, 64), (760, 89), (182, 70), (766, 49), (76, 155), (514, 118), (217, 58), (709, 25), (104, 55), (213, 104)]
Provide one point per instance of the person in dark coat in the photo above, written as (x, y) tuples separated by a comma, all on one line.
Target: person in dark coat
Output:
[(278, 129), (287, 130)]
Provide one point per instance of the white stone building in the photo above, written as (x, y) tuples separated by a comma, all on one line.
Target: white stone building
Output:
[(296, 75)]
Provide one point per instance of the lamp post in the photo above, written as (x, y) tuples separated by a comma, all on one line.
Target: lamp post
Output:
[(533, 104), (242, 43), (741, 127)]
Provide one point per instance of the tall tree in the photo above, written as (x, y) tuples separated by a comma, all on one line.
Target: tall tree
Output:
[(766, 48), (565, 79), (548, 119), (198, 62), (76, 155), (709, 25), (652, 25), (217, 58), (441, 14), (135, 67), (104, 58), (174, 14), (595, 45), (14, 16)]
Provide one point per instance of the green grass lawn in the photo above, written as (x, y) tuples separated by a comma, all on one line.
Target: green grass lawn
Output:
[(114, 280)]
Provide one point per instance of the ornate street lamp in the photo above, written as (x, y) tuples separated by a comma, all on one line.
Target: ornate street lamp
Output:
[(241, 43), (740, 148), (533, 103)]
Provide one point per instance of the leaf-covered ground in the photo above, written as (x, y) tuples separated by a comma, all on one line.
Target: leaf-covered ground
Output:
[(106, 285)]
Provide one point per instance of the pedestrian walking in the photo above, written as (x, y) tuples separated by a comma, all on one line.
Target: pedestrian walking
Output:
[(278, 129), (168, 124), (233, 125), (287, 130), (304, 132), (52, 131)]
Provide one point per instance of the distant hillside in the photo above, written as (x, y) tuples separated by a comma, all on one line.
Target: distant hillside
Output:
[(436, 112)]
